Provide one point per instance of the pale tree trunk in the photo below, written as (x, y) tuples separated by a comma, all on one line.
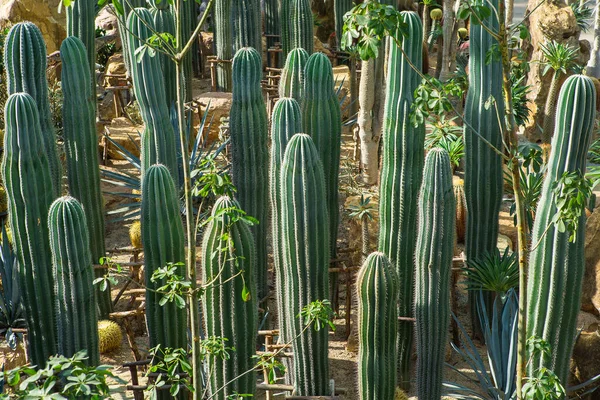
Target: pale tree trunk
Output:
[(450, 29), (593, 67), (510, 5)]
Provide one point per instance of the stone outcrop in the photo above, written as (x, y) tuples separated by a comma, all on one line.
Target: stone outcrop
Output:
[(220, 104), (590, 296)]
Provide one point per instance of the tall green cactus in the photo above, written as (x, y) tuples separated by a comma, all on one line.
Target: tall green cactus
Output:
[(25, 63), (164, 22), (284, 15), (76, 320), (81, 22), (556, 265), (483, 166), (223, 43), (272, 24), (250, 155), (291, 83), (285, 123), (26, 176), (305, 243), (433, 260), (247, 25), (149, 88), (301, 26), (122, 23), (189, 19), (341, 8), (401, 173), (378, 288), (230, 305), (81, 150), (163, 243)]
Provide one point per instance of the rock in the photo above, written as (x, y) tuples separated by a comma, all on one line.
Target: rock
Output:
[(115, 66), (106, 107), (54, 68), (206, 48), (10, 358), (585, 362), (590, 296), (504, 242), (126, 134), (319, 47), (107, 21), (220, 104), (43, 13)]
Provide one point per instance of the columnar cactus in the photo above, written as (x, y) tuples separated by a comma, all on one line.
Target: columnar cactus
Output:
[(122, 23), (76, 319), (284, 15), (189, 19), (149, 89), (322, 120), (81, 22), (483, 166), (164, 21), (291, 83), (341, 8), (250, 154), (223, 43), (378, 288), (301, 26), (433, 261), (81, 150), (163, 243), (230, 305), (247, 25), (272, 22), (556, 265), (401, 173), (305, 243), (26, 176), (25, 62), (285, 123)]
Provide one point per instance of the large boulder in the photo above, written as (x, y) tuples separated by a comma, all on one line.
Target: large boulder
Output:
[(126, 134), (585, 362), (43, 13), (220, 104), (590, 296)]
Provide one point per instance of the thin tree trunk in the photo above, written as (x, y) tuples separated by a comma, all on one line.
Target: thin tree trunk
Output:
[(450, 28), (510, 5), (426, 22)]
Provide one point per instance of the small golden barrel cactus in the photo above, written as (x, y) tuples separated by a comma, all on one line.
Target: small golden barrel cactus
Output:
[(139, 193), (436, 14), (109, 336), (3, 200), (463, 33), (461, 209), (135, 235)]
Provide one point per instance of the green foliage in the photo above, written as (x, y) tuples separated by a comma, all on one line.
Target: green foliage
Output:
[(583, 14), (543, 384), (318, 314), (432, 97), (493, 272), (559, 57), (12, 312), (170, 365), (571, 194)]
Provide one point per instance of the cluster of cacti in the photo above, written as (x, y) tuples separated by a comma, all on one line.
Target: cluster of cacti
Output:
[(81, 150), (401, 173), (483, 166), (163, 243), (25, 63), (124, 35), (109, 336), (81, 22), (305, 242), (164, 22), (341, 8), (433, 263), (28, 181), (301, 26), (249, 151), (556, 264), (231, 304), (75, 305), (158, 139), (247, 24), (378, 288), (291, 83), (223, 37)]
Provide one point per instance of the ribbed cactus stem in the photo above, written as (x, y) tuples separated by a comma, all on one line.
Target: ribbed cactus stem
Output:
[(223, 43), (483, 166), (378, 288), (76, 319), (301, 25), (122, 23), (341, 8), (284, 13), (81, 150), (401, 173), (149, 88), (272, 24), (285, 123), (81, 22), (231, 303), (291, 83), (188, 14), (305, 243), (556, 265), (164, 21), (247, 25), (26, 176), (433, 261), (250, 155), (25, 63)]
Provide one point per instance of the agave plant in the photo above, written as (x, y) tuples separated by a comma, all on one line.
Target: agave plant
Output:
[(12, 313)]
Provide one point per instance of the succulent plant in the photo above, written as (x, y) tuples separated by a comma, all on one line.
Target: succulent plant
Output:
[(401, 173), (250, 154), (81, 22), (28, 181), (556, 263), (231, 304), (305, 243), (122, 23), (223, 44), (301, 25), (164, 21), (461, 210), (109, 336), (378, 288), (433, 261), (25, 63), (81, 150), (272, 23), (291, 83), (189, 19), (341, 8), (135, 234), (76, 318), (247, 25)]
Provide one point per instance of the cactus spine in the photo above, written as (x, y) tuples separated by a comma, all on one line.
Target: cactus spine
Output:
[(556, 266), (223, 43), (291, 83), (433, 260), (163, 242), (378, 288), (230, 306), (401, 173), (341, 8), (164, 21), (247, 25), (301, 25), (285, 123), (81, 150), (25, 62), (122, 23), (149, 88), (76, 320), (483, 166), (26, 176), (305, 243), (81, 22), (250, 154)]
